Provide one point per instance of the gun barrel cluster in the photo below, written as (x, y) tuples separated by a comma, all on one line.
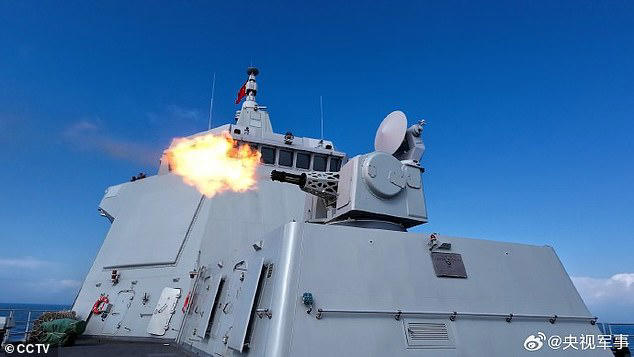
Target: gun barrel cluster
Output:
[(283, 176)]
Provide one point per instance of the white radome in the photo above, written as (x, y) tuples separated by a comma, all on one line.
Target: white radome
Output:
[(391, 132)]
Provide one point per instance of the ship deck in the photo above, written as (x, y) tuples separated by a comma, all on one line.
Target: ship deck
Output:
[(98, 348)]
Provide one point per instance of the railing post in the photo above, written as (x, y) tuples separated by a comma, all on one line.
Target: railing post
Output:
[(26, 329), (7, 331)]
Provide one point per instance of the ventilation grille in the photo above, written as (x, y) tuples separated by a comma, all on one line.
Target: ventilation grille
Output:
[(424, 331)]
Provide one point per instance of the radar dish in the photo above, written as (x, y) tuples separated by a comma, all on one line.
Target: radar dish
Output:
[(391, 132)]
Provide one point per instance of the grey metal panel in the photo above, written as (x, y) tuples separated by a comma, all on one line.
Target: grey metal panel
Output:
[(286, 243), (205, 300), (345, 185), (163, 312), (121, 303), (346, 268), (505, 277), (448, 265), (242, 314), (152, 222), (429, 333)]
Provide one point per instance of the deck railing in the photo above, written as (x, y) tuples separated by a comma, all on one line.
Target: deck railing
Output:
[(612, 328), (23, 320)]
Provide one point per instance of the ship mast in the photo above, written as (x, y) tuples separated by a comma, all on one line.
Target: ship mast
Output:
[(251, 88), (252, 115)]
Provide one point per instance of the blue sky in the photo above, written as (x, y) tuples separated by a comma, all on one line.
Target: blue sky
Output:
[(529, 107)]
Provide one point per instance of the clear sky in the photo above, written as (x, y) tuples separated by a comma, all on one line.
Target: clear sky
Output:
[(529, 107)]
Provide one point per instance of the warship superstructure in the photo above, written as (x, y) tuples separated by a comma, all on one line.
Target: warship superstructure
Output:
[(318, 261)]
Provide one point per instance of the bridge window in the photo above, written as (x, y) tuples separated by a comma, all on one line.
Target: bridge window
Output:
[(268, 155), (286, 158), (319, 163), (303, 160), (335, 164)]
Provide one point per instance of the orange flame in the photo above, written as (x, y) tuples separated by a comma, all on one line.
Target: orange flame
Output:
[(214, 163)]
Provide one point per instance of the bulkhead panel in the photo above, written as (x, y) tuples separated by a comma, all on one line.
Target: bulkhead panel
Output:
[(154, 215)]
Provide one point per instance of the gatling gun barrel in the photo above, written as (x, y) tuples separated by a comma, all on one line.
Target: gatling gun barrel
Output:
[(320, 184)]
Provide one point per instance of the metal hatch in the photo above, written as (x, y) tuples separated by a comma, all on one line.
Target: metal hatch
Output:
[(114, 321), (448, 265), (206, 301), (163, 312), (244, 308)]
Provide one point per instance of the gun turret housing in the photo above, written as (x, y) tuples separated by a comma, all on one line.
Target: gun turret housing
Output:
[(370, 187), (377, 186)]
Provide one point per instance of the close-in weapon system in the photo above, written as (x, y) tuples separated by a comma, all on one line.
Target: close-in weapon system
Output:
[(378, 188)]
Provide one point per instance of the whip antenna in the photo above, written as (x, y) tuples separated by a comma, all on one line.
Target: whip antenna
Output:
[(211, 104), (321, 109)]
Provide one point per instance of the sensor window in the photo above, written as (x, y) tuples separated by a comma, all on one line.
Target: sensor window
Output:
[(335, 164), (286, 158), (303, 161), (319, 163), (268, 155)]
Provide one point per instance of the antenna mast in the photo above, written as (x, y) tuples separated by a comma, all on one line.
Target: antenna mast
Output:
[(321, 109), (211, 105)]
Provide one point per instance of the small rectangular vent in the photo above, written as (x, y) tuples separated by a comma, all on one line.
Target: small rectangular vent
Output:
[(422, 331), (428, 334)]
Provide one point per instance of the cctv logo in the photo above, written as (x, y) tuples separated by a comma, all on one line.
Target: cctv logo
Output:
[(534, 342)]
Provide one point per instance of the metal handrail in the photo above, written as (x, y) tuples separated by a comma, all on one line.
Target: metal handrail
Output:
[(618, 323), (607, 327), (27, 324), (16, 333), (452, 315)]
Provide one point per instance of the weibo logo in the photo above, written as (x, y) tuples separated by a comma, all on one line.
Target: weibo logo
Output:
[(534, 342)]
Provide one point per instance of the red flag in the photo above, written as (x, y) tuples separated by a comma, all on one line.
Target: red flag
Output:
[(242, 92)]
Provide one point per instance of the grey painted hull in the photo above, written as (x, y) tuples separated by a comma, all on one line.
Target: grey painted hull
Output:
[(364, 276)]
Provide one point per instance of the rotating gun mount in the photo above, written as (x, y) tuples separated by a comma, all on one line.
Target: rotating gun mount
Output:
[(380, 189)]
